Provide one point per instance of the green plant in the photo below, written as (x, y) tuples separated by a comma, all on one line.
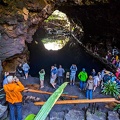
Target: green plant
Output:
[(111, 88), (30, 117), (44, 111), (117, 107)]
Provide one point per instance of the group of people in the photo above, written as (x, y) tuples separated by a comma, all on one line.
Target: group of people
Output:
[(13, 87), (113, 58), (23, 69), (56, 73), (87, 82)]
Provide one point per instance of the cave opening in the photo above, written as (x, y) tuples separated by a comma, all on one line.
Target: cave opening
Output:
[(44, 55)]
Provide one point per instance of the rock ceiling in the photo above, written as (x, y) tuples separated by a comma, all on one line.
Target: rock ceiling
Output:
[(19, 20)]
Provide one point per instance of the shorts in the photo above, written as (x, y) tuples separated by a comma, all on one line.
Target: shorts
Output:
[(72, 77), (26, 72), (52, 80)]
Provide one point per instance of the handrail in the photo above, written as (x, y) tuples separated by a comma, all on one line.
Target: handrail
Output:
[(80, 101), (45, 92)]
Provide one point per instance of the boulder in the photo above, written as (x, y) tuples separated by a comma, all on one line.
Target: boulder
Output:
[(98, 115), (74, 115)]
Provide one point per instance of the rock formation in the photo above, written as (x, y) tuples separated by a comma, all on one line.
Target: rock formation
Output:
[(19, 20)]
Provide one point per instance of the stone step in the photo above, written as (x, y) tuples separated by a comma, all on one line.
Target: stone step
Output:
[(112, 115), (71, 115), (98, 115), (82, 115)]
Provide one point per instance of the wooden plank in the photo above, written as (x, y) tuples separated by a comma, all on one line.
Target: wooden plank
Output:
[(80, 101), (44, 92)]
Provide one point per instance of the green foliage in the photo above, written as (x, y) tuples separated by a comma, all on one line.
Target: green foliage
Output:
[(30, 117), (44, 111), (50, 18), (117, 107), (111, 88)]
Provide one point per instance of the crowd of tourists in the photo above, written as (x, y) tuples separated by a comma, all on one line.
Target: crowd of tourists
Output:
[(113, 58), (87, 82)]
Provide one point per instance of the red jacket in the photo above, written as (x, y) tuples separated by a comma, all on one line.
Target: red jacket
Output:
[(13, 92)]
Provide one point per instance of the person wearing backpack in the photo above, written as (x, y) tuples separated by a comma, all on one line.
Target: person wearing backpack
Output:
[(89, 87), (82, 77)]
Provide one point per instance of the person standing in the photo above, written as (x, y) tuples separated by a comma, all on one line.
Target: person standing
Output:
[(41, 76), (26, 68), (53, 76), (83, 78), (60, 74), (14, 97), (73, 70), (19, 70), (96, 82), (5, 81), (93, 73), (89, 87)]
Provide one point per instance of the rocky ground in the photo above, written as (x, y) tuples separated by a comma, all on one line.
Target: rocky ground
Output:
[(68, 111)]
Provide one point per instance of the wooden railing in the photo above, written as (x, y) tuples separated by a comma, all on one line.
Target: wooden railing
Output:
[(81, 101)]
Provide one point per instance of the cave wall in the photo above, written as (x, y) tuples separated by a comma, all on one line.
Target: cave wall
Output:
[(18, 23), (19, 20), (100, 20)]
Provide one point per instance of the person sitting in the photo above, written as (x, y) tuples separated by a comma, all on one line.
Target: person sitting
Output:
[(106, 77)]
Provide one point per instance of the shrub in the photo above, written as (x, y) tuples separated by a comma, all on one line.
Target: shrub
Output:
[(111, 88), (117, 107)]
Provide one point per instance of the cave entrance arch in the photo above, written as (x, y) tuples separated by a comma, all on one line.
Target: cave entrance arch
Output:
[(71, 53)]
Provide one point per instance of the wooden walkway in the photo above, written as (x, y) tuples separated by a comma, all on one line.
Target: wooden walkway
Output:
[(49, 93), (80, 101)]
